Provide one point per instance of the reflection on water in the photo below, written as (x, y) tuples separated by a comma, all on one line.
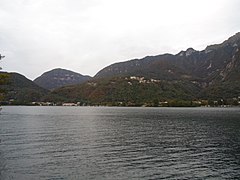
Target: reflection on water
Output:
[(119, 143)]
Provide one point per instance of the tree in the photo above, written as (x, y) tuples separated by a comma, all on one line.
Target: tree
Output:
[(3, 81)]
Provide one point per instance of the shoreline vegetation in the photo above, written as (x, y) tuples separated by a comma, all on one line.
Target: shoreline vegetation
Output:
[(172, 103)]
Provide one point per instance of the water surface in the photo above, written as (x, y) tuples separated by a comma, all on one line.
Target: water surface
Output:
[(119, 143)]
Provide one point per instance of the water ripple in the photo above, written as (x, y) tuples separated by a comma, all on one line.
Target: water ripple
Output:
[(119, 143)]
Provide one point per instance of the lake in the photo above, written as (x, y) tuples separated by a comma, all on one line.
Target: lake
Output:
[(53, 143)]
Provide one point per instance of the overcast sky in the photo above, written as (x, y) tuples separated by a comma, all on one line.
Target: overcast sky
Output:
[(87, 35)]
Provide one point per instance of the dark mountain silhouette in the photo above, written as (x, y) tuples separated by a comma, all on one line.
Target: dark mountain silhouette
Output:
[(60, 77), (20, 90), (215, 63)]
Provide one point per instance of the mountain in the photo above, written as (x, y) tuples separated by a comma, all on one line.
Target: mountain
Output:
[(215, 63), (211, 74), (20, 90), (60, 77)]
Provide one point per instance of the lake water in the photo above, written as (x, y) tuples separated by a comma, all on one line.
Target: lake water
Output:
[(119, 143)]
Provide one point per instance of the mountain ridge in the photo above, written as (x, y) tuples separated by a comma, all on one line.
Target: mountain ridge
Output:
[(189, 75), (21, 90), (190, 63), (59, 77), (211, 74)]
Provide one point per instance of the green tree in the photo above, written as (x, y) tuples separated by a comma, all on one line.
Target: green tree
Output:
[(3, 81)]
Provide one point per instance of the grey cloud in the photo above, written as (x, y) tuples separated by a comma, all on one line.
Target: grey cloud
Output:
[(87, 35)]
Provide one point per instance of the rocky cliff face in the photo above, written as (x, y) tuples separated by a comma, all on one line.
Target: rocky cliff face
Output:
[(60, 77)]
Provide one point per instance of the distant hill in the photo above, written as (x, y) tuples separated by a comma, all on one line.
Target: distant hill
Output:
[(213, 74), (21, 90), (60, 77), (128, 91)]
